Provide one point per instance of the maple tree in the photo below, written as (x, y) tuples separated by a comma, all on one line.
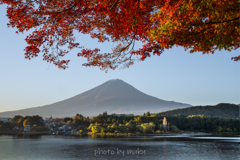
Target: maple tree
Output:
[(198, 25)]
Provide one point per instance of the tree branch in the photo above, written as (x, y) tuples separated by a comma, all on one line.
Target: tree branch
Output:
[(216, 22), (114, 5)]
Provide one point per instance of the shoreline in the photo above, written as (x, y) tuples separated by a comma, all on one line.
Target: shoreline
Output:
[(25, 133), (111, 134)]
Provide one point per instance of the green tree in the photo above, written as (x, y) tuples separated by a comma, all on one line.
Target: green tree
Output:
[(148, 114), (16, 118), (102, 130), (90, 126), (20, 122), (219, 129), (114, 120), (229, 130), (96, 129), (66, 119)]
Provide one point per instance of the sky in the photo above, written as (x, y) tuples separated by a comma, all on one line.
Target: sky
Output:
[(176, 75)]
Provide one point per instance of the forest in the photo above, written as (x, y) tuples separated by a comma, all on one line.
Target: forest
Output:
[(120, 123), (19, 122), (151, 123), (221, 110)]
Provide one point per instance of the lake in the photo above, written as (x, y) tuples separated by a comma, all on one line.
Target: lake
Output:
[(164, 147)]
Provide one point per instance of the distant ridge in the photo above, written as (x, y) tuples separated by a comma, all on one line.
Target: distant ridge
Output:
[(221, 110), (113, 96)]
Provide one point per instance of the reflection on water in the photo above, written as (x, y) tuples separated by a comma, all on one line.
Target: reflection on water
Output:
[(166, 147)]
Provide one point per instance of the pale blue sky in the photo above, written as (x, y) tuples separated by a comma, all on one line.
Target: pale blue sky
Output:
[(176, 75)]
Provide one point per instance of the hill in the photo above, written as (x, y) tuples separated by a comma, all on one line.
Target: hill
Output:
[(221, 110)]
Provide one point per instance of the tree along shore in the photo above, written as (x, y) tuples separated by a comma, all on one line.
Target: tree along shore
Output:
[(104, 123)]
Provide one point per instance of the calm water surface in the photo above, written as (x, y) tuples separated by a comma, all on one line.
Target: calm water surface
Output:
[(168, 147)]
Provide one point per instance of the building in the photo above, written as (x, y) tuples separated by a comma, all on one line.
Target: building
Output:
[(27, 127), (5, 119), (64, 128)]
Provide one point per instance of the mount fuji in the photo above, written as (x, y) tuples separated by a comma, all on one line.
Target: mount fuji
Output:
[(113, 96)]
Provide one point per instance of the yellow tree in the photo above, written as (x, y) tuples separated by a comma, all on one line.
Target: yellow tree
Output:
[(198, 25), (25, 122)]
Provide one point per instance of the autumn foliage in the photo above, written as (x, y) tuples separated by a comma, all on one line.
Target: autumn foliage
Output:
[(198, 25)]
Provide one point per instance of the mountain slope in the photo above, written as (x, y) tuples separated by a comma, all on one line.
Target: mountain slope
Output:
[(113, 96), (221, 110)]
